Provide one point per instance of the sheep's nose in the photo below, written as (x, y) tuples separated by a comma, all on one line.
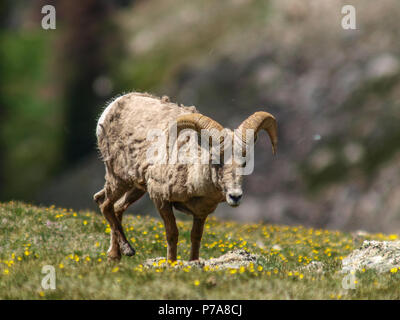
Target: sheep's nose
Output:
[(235, 197)]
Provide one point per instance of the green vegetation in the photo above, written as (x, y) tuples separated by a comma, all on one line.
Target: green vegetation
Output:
[(31, 134), (75, 243)]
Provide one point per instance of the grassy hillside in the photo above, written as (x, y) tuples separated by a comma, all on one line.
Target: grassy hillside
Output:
[(75, 243)]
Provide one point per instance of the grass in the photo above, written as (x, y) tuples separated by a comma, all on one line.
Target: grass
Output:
[(75, 243)]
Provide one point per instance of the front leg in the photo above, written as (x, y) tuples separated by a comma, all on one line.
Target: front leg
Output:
[(195, 237), (171, 230)]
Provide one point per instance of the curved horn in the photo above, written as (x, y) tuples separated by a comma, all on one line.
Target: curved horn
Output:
[(197, 122), (261, 120)]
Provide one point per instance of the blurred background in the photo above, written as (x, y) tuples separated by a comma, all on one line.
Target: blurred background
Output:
[(335, 93)]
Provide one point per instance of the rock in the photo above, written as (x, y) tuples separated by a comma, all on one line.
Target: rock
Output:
[(383, 65), (231, 260), (277, 247), (359, 236), (379, 255), (360, 233), (314, 267), (211, 281)]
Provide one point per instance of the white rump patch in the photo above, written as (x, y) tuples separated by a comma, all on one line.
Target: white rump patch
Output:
[(104, 115)]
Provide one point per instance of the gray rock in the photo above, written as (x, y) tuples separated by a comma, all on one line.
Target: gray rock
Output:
[(379, 255), (231, 260), (382, 66), (314, 267)]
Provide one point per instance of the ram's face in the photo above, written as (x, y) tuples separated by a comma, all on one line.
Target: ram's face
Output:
[(229, 173), (232, 183)]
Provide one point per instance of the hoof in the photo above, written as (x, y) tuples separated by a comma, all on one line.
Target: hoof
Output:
[(112, 257), (127, 250)]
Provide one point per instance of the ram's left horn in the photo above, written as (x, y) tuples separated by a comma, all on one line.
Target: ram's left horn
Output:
[(261, 120)]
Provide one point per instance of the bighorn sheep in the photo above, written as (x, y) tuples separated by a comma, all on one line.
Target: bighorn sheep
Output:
[(195, 189)]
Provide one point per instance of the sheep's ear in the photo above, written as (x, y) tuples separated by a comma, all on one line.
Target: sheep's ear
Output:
[(261, 120)]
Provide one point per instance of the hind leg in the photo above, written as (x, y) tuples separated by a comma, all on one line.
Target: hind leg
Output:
[(113, 251), (119, 208), (100, 196), (129, 198), (112, 195)]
